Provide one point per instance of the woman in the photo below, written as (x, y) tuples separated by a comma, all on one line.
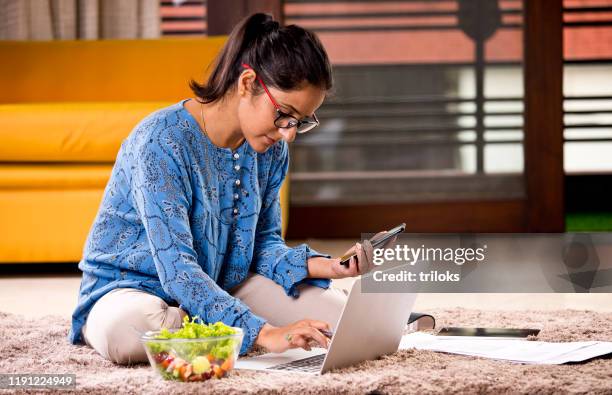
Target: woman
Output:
[(190, 219)]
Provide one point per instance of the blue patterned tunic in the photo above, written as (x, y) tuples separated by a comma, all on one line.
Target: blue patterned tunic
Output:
[(186, 220)]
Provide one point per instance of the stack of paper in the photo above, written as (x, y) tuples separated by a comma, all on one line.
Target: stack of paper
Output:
[(515, 350)]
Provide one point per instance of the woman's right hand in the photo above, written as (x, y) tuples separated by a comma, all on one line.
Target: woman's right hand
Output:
[(298, 334)]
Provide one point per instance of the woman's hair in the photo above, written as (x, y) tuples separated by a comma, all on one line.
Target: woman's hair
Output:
[(283, 57)]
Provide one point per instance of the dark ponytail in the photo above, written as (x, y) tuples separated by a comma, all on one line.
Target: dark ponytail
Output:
[(283, 57)]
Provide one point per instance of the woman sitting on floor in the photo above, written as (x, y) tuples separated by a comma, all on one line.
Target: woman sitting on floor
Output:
[(190, 219)]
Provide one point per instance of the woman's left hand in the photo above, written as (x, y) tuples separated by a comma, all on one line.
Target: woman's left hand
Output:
[(359, 264), (340, 271)]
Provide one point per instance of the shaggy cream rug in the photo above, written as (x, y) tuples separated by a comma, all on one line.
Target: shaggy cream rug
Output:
[(41, 346)]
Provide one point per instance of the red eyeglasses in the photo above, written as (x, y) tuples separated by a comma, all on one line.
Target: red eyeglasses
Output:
[(284, 120)]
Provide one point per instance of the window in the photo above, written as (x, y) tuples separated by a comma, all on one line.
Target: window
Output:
[(587, 86), (183, 18), (428, 103)]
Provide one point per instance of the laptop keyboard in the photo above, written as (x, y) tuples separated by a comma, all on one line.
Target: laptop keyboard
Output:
[(309, 365)]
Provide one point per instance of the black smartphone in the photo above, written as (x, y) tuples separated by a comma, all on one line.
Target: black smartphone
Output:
[(488, 332), (377, 242)]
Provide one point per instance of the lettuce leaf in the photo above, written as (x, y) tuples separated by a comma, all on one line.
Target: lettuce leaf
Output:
[(221, 349)]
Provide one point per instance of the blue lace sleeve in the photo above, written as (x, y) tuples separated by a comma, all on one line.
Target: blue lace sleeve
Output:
[(272, 257)]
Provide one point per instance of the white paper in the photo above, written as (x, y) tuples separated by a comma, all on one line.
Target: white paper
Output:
[(515, 350)]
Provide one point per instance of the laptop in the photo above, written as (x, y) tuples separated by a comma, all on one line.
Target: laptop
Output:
[(371, 325)]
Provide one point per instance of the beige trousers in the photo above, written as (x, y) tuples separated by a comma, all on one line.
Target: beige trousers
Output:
[(116, 321)]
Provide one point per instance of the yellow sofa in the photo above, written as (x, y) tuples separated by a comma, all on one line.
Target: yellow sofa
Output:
[(65, 108)]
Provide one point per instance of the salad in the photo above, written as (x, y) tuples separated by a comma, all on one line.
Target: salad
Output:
[(182, 357)]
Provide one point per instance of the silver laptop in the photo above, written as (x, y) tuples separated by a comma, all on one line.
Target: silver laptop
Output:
[(371, 325)]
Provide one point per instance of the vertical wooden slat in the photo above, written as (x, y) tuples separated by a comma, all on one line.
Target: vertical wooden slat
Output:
[(223, 15), (544, 116), (274, 7)]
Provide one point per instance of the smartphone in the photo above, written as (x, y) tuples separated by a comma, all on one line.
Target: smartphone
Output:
[(376, 242), (488, 332)]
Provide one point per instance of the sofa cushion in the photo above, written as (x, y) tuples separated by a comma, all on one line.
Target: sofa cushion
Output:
[(54, 176), (68, 132), (48, 225), (103, 70)]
